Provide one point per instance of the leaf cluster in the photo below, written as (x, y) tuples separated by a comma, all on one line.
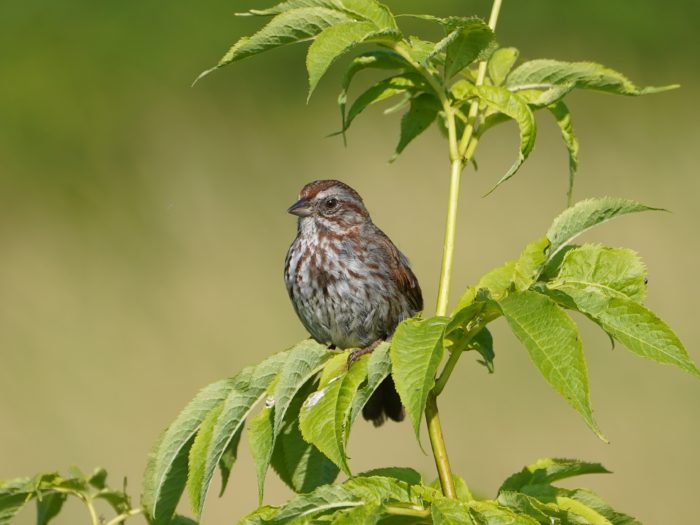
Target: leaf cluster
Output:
[(51, 490), (465, 82)]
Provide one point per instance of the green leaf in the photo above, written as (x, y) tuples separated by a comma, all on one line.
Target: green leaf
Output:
[(249, 388), (525, 504), (260, 440), (198, 457), (490, 513), (461, 488), (98, 478), (405, 83), (510, 104), (529, 264), (483, 343), (420, 115), (580, 509), (636, 327), (325, 416), (553, 342), (227, 460), (368, 514), (467, 38), (378, 59), (594, 502), (289, 27), (497, 281), (500, 63), (416, 351), (304, 361), (545, 95), (355, 492), (166, 471), (585, 214), (378, 368), (548, 470), (298, 463), (585, 75), (116, 499), (48, 507), (338, 39), (611, 271), (11, 504), (445, 511), (563, 117), (370, 10), (405, 474)]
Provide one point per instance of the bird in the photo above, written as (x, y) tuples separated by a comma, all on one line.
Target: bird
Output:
[(349, 284)]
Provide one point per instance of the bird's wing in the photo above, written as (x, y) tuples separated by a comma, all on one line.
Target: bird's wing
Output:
[(402, 274)]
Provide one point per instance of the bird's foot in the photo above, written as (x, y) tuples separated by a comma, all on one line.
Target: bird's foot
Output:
[(359, 352)]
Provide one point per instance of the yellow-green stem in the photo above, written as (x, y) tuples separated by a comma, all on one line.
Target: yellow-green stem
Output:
[(437, 442), (459, 159)]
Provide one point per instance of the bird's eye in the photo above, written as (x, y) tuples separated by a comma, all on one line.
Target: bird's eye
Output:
[(330, 203)]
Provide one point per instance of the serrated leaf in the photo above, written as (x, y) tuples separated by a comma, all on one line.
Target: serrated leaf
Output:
[(510, 104), (500, 63), (553, 342), (529, 264), (198, 457), (303, 362), (404, 83), (631, 323), (612, 271), (298, 463), (525, 504), (490, 513), (338, 39), (166, 471), (379, 59), (325, 416), (228, 458), (594, 501), (497, 281), (378, 368), (445, 511), (260, 440), (548, 470), (461, 488), (420, 115), (416, 351), (544, 95), (355, 492), (580, 509), (249, 388), (585, 75), (370, 10), (288, 27), (563, 117), (585, 214), (472, 37), (116, 499)]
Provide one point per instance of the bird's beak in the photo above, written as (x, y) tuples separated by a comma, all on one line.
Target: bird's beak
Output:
[(301, 208)]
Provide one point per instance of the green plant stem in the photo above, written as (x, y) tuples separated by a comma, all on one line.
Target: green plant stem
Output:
[(437, 442), (126, 515), (459, 160)]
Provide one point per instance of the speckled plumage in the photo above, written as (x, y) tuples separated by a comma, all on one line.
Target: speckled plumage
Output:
[(349, 284)]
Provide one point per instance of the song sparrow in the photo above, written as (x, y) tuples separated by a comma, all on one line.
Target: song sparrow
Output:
[(349, 284)]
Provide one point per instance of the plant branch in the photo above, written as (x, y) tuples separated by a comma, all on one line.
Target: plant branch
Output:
[(458, 159), (437, 441), (124, 516)]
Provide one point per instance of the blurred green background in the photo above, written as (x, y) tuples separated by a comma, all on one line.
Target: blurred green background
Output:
[(143, 232)]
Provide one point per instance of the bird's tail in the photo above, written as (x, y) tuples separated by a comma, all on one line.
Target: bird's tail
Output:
[(384, 404)]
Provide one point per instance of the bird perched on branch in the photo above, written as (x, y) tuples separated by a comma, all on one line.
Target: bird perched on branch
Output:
[(349, 284)]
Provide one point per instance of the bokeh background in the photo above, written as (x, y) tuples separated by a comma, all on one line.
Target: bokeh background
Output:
[(143, 232)]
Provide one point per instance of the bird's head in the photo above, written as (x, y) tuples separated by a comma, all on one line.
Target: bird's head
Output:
[(330, 205)]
